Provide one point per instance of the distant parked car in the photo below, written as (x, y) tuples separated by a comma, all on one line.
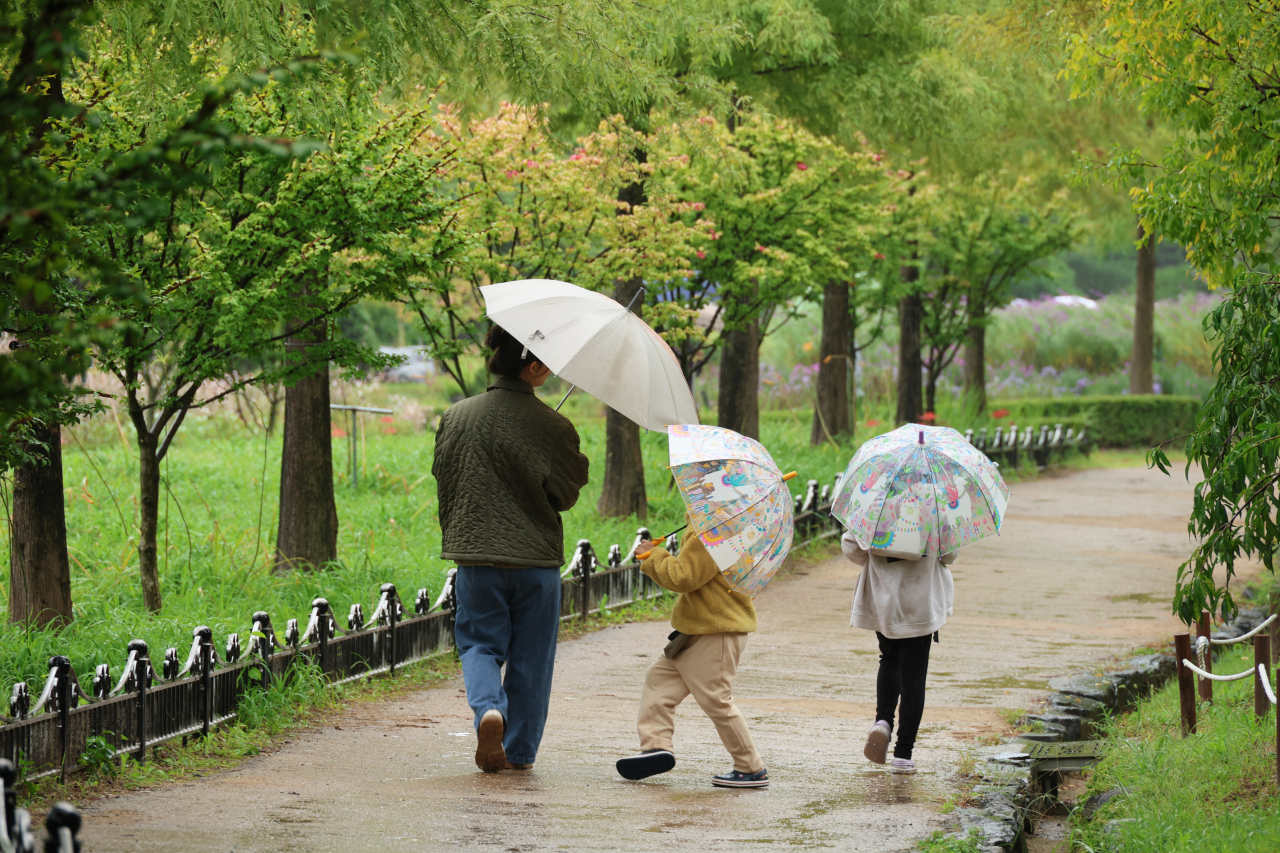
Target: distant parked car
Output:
[(416, 368)]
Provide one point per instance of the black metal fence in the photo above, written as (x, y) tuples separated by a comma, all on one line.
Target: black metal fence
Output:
[(146, 706), (149, 706)]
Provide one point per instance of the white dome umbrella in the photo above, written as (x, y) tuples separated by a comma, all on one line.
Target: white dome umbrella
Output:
[(598, 345)]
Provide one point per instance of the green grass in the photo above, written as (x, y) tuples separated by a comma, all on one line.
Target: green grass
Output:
[(1213, 791)]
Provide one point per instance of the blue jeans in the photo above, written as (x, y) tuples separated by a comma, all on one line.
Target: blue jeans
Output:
[(509, 616)]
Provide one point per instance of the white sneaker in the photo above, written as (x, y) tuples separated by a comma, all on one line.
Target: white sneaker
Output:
[(902, 765), (877, 742)]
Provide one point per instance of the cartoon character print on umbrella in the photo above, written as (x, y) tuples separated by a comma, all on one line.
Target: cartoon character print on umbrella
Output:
[(908, 520), (870, 483), (743, 543), (718, 489), (737, 501), (965, 514)]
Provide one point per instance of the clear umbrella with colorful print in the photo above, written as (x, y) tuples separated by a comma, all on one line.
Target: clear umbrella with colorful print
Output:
[(920, 490)]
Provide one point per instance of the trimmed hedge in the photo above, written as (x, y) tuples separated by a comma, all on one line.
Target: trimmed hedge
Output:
[(1113, 420)]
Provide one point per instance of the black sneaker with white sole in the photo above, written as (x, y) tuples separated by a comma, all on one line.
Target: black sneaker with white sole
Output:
[(738, 779), (651, 762)]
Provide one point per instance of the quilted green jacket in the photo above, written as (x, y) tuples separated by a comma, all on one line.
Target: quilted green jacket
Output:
[(506, 465)]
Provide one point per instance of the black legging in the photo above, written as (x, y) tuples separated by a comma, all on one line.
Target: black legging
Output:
[(904, 664)]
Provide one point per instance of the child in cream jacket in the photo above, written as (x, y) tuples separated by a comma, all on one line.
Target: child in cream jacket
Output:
[(905, 602)]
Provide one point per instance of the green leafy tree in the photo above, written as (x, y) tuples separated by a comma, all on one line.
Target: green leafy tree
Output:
[(539, 209), (65, 294), (986, 235), (792, 210), (259, 255), (1236, 444), (1209, 68)]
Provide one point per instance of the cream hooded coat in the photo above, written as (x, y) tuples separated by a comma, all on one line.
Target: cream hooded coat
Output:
[(902, 599)]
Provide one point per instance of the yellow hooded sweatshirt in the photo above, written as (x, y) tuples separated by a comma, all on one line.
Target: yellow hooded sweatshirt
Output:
[(706, 604)]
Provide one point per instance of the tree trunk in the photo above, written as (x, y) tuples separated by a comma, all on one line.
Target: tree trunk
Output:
[(740, 379), (853, 365), (910, 312), (1141, 365), (623, 493), (149, 519), (308, 533), (931, 390), (831, 404), (39, 572), (975, 361)]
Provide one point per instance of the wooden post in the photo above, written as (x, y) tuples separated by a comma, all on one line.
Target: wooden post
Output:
[(1186, 683), (1206, 686), (1261, 656), (1275, 630)]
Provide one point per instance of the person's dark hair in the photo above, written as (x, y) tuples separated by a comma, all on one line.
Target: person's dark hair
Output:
[(506, 358)]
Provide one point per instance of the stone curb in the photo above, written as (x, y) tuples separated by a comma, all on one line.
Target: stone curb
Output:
[(1002, 812)]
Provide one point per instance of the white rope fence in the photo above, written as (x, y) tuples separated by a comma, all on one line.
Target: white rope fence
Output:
[(1266, 683), (1264, 695), (1214, 677), (1242, 637)]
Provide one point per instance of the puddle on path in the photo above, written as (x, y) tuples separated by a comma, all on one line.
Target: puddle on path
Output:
[(1004, 682), (1139, 597), (867, 788)]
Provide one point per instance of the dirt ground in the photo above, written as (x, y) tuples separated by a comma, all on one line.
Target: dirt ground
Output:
[(1083, 572)]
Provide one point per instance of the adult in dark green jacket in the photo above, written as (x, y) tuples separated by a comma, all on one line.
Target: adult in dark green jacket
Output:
[(506, 465)]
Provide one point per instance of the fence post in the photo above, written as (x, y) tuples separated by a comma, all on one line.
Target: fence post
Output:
[(63, 696), (1206, 686), (8, 779), (141, 673), (206, 683), (322, 608), (393, 613), (1275, 629), (1186, 683), (1261, 657), (63, 825)]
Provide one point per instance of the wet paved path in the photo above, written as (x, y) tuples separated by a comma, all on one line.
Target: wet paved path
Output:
[(1083, 572)]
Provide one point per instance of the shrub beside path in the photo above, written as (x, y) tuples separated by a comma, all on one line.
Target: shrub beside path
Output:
[(1084, 571)]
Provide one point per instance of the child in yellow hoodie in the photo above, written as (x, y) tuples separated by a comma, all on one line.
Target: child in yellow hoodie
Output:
[(711, 624)]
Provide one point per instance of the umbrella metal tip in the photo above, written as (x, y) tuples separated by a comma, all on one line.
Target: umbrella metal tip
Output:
[(789, 476)]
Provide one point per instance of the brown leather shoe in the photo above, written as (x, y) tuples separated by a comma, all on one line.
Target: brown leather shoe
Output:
[(511, 766), (490, 756)]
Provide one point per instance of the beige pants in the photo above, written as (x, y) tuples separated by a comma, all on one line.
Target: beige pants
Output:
[(705, 667)]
